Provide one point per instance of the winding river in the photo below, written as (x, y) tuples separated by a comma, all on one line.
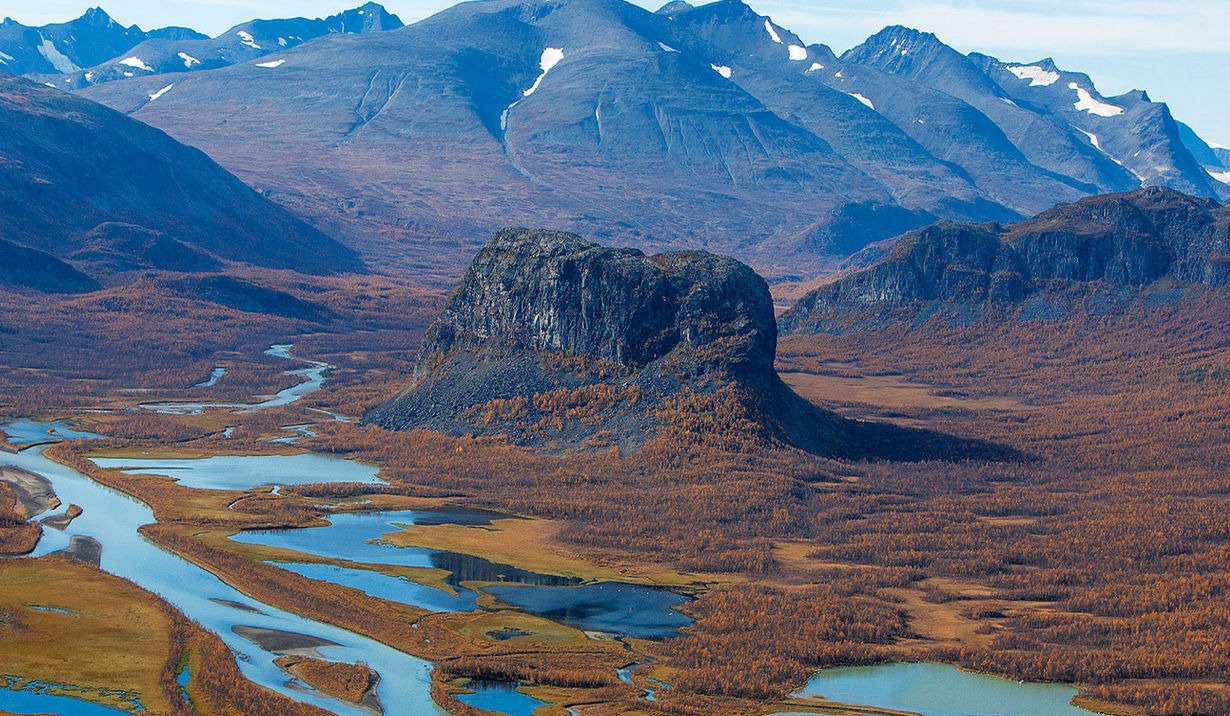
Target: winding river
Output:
[(313, 376), (113, 518)]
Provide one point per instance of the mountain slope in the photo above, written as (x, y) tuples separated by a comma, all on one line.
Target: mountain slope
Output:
[(706, 127), (1107, 246), (81, 180), (435, 126)]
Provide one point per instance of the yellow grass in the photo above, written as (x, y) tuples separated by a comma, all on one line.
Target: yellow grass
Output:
[(888, 391), (79, 649), (531, 544)]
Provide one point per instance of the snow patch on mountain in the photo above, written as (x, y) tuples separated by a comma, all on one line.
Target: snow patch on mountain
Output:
[(160, 92), (550, 58), (862, 99), (768, 26), (722, 70), (5, 59), (246, 38), (189, 60), (815, 66), (1221, 176), (271, 64), (1086, 102), (1093, 139), (798, 53), (136, 63), (58, 59), (1037, 76), (666, 48)]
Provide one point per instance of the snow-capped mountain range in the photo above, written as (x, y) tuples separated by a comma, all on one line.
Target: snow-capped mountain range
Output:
[(709, 126)]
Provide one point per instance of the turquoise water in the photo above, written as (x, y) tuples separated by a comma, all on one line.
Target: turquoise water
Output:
[(113, 518), (35, 702), (313, 377), (500, 697), (24, 432), (940, 690), (627, 609), (395, 589), (214, 376), (231, 472)]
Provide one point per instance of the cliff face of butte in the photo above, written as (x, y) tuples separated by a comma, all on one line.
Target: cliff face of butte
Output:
[(557, 342), (548, 291)]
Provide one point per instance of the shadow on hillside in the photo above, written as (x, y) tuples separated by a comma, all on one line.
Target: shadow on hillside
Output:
[(822, 432)]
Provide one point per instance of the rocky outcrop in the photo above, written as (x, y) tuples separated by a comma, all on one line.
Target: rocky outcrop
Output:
[(548, 326), (1117, 242), (558, 342), (551, 291)]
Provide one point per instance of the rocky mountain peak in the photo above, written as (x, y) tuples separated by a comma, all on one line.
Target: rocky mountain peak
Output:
[(97, 16), (677, 7), (553, 291)]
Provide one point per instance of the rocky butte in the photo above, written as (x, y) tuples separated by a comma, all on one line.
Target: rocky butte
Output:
[(561, 343)]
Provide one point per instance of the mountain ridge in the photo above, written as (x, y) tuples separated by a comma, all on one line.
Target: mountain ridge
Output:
[(1111, 246), (715, 126), (107, 194)]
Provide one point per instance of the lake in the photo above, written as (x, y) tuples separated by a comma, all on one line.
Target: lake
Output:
[(940, 690)]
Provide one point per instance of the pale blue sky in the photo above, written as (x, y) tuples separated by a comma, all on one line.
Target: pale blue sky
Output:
[(1178, 51)]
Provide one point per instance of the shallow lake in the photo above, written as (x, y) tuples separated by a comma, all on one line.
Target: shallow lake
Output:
[(234, 472), (36, 702), (940, 690), (627, 609), (24, 432), (499, 696)]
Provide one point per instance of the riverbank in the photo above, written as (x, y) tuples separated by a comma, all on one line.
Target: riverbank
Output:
[(33, 491)]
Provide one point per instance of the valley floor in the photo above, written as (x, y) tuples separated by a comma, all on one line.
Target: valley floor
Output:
[(1099, 559)]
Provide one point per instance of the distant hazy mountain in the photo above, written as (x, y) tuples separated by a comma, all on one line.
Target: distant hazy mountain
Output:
[(67, 47), (692, 127), (1116, 243), (243, 43), (87, 193)]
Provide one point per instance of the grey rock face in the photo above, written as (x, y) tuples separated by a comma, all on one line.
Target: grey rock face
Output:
[(550, 291), (541, 312), (1122, 241)]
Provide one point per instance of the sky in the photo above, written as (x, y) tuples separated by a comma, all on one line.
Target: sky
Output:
[(1178, 51)]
